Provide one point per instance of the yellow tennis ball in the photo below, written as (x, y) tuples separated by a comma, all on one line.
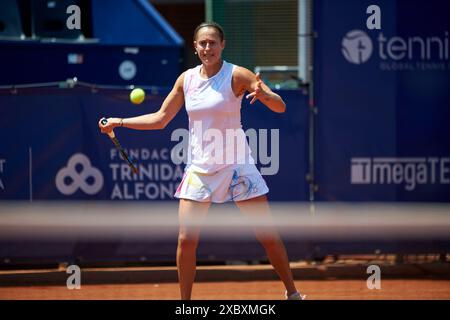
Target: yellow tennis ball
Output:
[(137, 96)]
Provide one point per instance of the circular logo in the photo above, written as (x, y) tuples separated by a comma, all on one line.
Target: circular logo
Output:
[(69, 179), (127, 70), (357, 46)]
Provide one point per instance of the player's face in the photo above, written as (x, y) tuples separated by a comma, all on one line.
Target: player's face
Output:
[(209, 46)]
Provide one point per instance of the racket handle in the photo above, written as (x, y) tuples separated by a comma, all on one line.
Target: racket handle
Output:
[(111, 134), (116, 142)]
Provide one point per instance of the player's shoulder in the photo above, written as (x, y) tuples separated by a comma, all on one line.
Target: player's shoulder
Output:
[(242, 76), (193, 69), (182, 75), (179, 83), (242, 72), (187, 72)]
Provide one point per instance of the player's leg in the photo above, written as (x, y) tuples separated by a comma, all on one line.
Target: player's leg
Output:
[(189, 212), (258, 207)]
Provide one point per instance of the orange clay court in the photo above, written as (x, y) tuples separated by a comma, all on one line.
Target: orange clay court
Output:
[(344, 279)]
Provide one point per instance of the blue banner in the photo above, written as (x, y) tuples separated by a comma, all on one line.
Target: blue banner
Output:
[(52, 148), (383, 99)]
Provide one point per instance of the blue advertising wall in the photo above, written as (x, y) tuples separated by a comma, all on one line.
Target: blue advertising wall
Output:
[(28, 62), (382, 96), (52, 148), (381, 133), (383, 101)]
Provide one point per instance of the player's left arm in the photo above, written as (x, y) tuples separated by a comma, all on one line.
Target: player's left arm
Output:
[(245, 80)]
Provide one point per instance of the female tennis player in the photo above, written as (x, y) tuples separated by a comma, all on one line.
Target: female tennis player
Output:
[(218, 169)]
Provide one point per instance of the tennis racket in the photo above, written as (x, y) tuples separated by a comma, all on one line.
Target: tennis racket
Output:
[(122, 152)]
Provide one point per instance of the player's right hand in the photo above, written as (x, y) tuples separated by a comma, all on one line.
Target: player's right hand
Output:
[(108, 125)]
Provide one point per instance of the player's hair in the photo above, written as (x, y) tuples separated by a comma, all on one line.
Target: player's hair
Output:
[(210, 24)]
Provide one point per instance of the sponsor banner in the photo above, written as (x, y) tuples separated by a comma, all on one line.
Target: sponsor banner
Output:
[(61, 154), (382, 95), (407, 172)]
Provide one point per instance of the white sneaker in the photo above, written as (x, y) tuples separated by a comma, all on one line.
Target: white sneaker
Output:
[(295, 296)]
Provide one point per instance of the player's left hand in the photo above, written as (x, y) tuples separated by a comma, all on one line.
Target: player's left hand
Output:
[(259, 92)]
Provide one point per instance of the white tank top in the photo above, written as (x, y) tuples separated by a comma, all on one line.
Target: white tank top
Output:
[(216, 138)]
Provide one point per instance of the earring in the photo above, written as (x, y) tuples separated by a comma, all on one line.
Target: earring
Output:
[(195, 52)]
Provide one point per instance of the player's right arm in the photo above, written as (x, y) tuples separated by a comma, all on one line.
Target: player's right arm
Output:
[(153, 121)]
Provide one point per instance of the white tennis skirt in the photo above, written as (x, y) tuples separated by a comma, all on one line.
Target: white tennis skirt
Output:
[(236, 183)]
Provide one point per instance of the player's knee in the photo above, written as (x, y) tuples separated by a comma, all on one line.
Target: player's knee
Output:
[(187, 242)]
